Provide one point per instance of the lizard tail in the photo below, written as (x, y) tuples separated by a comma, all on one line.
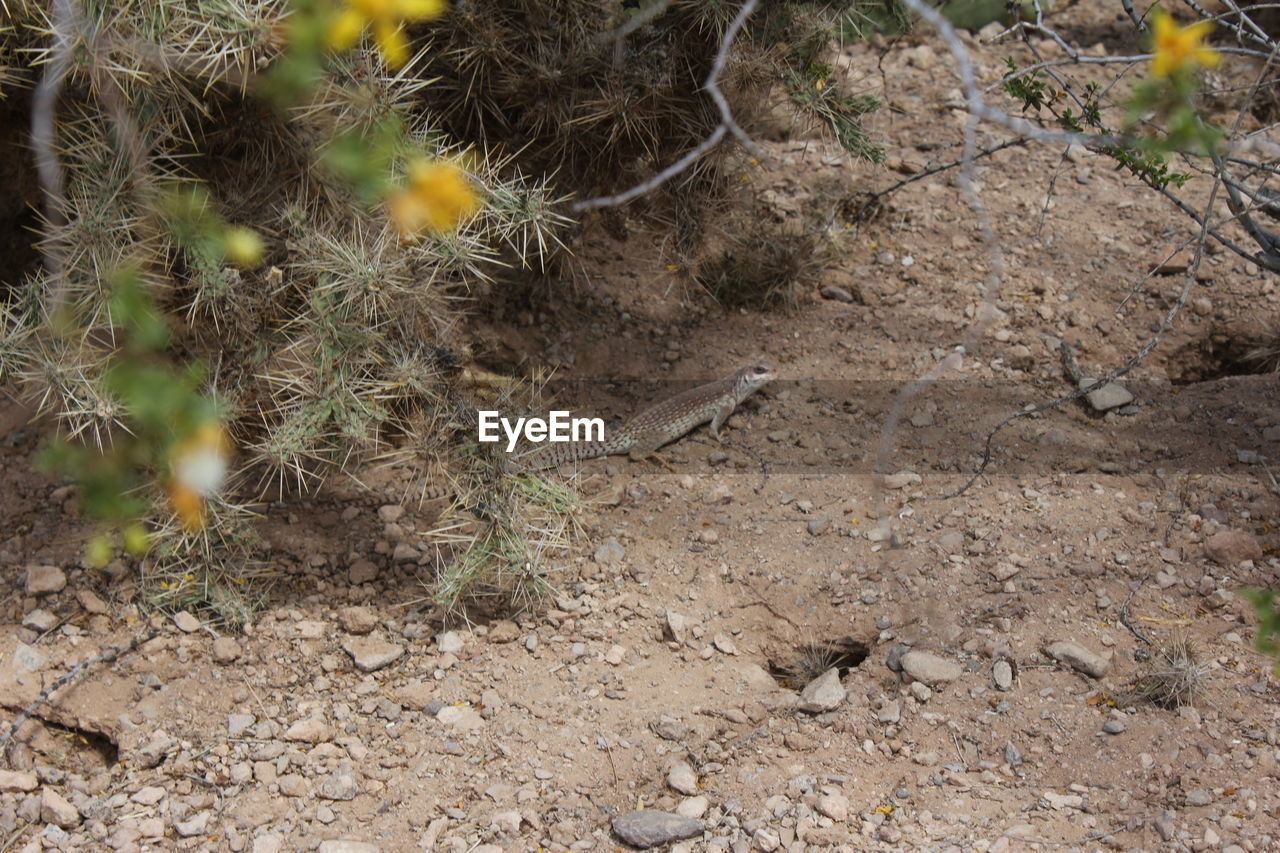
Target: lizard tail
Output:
[(556, 453)]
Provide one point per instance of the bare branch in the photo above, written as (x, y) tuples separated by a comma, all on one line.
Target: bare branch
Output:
[(727, 124)]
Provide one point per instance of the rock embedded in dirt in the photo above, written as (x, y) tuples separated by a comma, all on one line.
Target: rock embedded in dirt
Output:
[(55, 809), (43, 580), (1113, 727), (1199, 797), (894, 658), (40, 620), (186, 622), (504, 631), (195, 825), (818, 526), (693, 807), (1002, 675), (681, 778), (357, 620), (651, 828), (361, 572), (450, 642), (309, 730), (1232, 547), (609, 553), (824, 693), (238, 724), (225, 650), (460, 717), (347, 846), (616, 655), (371, 654), (724, 644), (13, 781), (1079, 658), (902, 479), (835, 293), (929, 668), (92, 604), (340, 785), (677, 626), (1110, 396), (833, 804)]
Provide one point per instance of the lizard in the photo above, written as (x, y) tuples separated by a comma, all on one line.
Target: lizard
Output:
[(664, 422)]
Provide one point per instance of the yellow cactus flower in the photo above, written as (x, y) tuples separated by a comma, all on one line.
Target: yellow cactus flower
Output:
[(436, 197), (198, 466), (387, 18), (137, 541), (98, 551), (1176, 47), (243, 246)]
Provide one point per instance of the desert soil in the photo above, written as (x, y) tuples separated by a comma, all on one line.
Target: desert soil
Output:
[(666, 672)]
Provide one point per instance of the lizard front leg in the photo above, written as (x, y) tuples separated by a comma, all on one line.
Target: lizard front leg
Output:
[(721, 415)]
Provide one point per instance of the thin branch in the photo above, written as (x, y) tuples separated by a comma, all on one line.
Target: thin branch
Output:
[(44, 107), (727, 125)]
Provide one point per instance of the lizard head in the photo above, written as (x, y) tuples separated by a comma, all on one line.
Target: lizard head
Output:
[(751, 377)]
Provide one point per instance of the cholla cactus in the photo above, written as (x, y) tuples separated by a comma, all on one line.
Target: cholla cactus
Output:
[(321, 348)]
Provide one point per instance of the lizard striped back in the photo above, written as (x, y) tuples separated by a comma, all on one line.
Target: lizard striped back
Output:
[(663, 422)]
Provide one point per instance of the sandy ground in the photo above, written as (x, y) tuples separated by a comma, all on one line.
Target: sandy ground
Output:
[(666, 673)]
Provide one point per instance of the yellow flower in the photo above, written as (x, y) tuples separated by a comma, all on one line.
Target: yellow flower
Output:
[(436, 197), (1178, 47), (243, 246), (387, 17), (198, 466)]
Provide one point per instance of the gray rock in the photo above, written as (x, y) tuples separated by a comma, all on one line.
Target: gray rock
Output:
[(55, 809), (449, 642), (309, 730), (1110, 396), (339, 786), (823, 694), (1012, 755), (42, 580), (40, 620), (929, 668), (1165, 826), (1113, 727), (197, 824), (818, 526), (1079, 658), (694, 807), (651, 828), (836, 293), (609, 553), (12, 781), (894, 660), (1002, 675), (347, 846), (371, 653), (186, 622), (1199, 797), (682, 778), (833, 804), (238, 724), (890, 713)]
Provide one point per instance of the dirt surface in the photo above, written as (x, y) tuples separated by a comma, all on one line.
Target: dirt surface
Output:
[(666, 672)]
